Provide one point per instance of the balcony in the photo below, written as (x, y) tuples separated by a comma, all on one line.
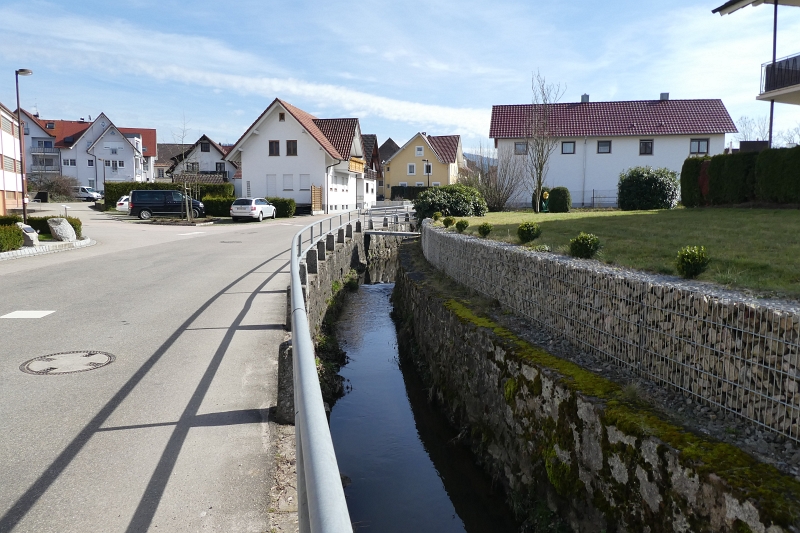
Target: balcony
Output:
[(781, 81), (40, 150), (44, 168), (356, 164)]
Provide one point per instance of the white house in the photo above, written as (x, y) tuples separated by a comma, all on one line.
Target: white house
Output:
[(203, 160), (289, 153), (599, 140), (93, 152), (10, 167)]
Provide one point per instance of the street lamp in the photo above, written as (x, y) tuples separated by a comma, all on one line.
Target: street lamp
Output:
[(17, 74), (427, 170)]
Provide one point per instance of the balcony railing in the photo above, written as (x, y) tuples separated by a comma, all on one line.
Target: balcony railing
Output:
[(356, 164), (43, 150), (44, 168), (784, 73)]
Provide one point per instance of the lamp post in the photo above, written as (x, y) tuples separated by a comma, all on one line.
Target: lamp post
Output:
[(427, 170), (17, 74)]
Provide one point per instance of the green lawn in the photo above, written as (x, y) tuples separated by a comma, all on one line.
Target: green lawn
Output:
[(756, 249)]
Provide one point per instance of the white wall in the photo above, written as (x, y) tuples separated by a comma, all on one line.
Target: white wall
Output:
[(603, 170), (207, 161), (9, 147)]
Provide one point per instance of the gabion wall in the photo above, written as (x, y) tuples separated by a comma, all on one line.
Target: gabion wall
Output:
[(717, 346)]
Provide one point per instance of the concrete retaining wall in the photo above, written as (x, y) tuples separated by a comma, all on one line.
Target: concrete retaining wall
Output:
[(718, 346)]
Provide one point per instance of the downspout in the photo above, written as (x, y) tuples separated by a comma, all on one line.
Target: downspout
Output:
[(583, 191), (326, 183)]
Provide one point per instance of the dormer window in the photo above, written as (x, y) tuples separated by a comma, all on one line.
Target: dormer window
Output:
[(281, 117), (50, 125)]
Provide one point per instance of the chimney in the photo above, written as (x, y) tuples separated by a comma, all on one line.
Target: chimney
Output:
[(664, 96), (584, 98), (82, 120)]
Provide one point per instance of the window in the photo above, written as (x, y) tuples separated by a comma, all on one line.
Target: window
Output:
[(387, 168), (568, 147), (121, 164), (436, 184), (6, 125), (113, 151), (403, 184), (50, 126), (520, 148), (698, 146), (291, 147), (193, 167), (288, 182), (145, 165), (65, 162), (420, 184), (90, 162), (380, 183), (274, 148), (108, 163), (221, 167), (113, 166), (419, 151), (205, 147), (281, 117), (603, 147), (160, 172), (69, 163), (646, 147), (91, 184), (412, 169), (305, 182), (428, 169)]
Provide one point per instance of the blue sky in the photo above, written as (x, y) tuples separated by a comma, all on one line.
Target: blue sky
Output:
[(400, 67)]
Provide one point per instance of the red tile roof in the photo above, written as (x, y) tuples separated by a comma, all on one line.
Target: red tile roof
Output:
[(605, 119), (445, 146), (340, 132), (149, 145), (307, 121)]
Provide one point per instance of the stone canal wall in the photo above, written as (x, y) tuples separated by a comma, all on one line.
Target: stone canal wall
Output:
[(552, 432), (719, 347)]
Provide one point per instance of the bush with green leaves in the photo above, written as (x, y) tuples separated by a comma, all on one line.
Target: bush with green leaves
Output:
[(448, 221), (560, 200), (11, 238), (437, 216), (778, 175), (451, 200), (284, 207), (218, 206), (692, 261), (118, 189), (647, 188), (461, 225), (9, 220), (584, 246), (732, 178), (485, 229), (41, 226), (528, 231), (691, 189)]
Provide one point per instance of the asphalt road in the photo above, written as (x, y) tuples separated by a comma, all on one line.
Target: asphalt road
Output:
[(173, 435)]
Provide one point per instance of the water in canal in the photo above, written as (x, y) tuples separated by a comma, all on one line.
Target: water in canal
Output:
[(405, 473)]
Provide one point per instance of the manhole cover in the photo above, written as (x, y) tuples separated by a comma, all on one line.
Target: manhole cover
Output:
[(231, 242), (66, 363)]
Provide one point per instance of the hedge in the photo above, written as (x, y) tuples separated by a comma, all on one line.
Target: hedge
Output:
[(778, 176), (732, 178), (218, 206), (284, 207), (451, 200), (560, 200), (9, 220), (41, 226), (117, 189), (691, 190), (405, 192), (647, 188), (11, 238)]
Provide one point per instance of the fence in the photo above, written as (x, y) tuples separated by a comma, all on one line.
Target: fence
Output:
[(604, 198), (722, 349)]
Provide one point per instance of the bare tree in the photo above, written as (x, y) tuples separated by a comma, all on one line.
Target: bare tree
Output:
[(752, 129), (497, 174), (542, 138), (184, 165), (790, 136)]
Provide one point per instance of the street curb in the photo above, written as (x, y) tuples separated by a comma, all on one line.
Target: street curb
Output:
[(27, 251)]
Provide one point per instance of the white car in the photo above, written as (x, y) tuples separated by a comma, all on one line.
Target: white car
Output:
[(253, 208), (122, 204), (87, 194)]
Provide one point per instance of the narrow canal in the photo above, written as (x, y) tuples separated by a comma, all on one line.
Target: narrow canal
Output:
[(405, 472)]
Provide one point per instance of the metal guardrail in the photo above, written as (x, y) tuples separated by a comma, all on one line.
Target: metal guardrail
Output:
[(321, 506), (785, 72)]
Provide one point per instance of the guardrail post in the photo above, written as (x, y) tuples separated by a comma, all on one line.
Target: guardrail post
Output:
[(385, 222), (330, 245), (311, 264), (371, 225), (304, 271), (348, 231), (320, 251), (358, 226), (340, 235)]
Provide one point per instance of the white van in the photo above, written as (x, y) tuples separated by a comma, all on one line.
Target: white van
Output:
[(87, 194)]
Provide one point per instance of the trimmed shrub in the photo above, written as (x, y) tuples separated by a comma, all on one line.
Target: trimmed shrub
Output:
[(584, 246), (560, 200), (284, 207), (692, 261), (41, 226), (691, 191), (647, 188), (528, 231), (778, 175), (114, 190), (218, 206), (485, 229), (405, 192), (732, 178), (448, 221), (461, 225), (437, 216), (11, 238), (451, 200), (9, 220)]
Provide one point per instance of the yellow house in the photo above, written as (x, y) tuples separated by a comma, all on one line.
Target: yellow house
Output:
[(425, 161)]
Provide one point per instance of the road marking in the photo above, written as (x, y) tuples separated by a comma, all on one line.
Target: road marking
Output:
[(192, 233), (27, 314)]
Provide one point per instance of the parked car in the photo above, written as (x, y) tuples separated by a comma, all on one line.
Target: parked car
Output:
[(253, 208), (122, 203), (87, 194), (145, 204)]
